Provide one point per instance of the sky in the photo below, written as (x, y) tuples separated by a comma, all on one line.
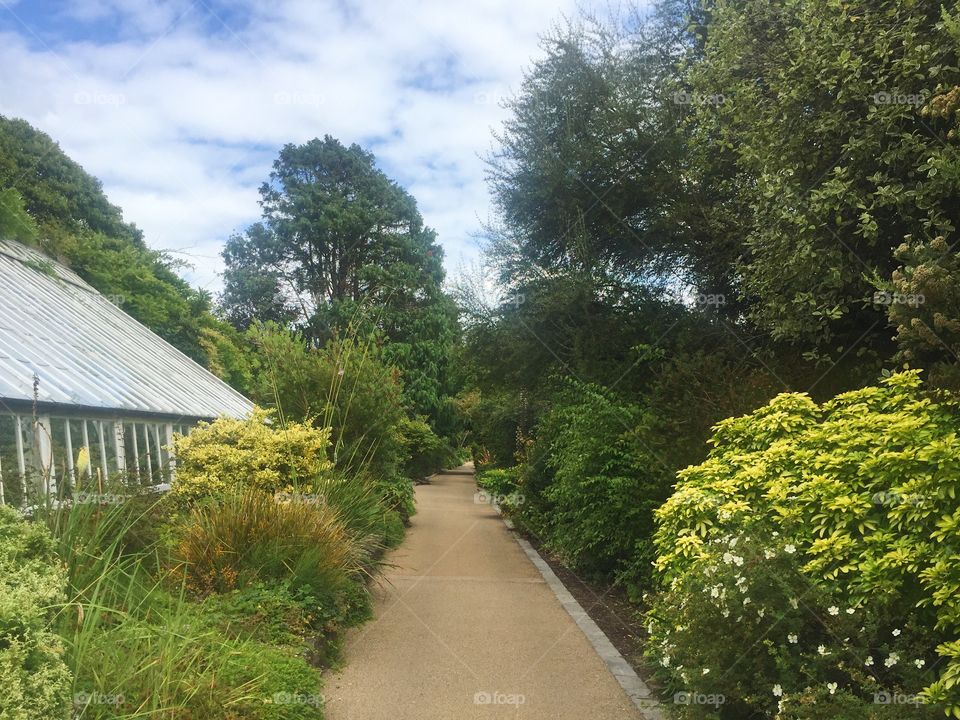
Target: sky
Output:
[(179, 107)]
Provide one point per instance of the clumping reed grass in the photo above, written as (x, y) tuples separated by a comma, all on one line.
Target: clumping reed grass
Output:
[(252, 536), (137, 647)]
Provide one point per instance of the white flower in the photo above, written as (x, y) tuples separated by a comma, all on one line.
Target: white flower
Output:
[(793, 603), (832, 687), (715, 591), (706, 671), (792, 637), (746, 601), (896, 632), (733, 542), (725, 613), (833, 610), (761, 612), (822, 649), (665, 661), (850, 611), (737, 560), (777, 690), (790, 548), (892, 660), (869, 661), (727, 558), (919, 663), (769, 554)]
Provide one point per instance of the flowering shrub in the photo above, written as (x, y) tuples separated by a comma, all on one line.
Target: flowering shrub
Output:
[(34, 680), (229, 454), (809, 565)]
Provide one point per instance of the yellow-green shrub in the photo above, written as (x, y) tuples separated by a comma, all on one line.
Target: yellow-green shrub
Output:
[(34, 680), (230, 454), (815, 552)]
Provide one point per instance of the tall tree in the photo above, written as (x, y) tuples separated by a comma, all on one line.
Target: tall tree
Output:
[(819, 142), (341, 243)]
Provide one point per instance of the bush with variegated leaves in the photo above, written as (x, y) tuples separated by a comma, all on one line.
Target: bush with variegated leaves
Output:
[(813, 560), (34, 679), (230, 454)]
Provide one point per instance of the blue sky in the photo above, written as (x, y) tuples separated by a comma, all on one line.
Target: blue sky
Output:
[(180, 106)]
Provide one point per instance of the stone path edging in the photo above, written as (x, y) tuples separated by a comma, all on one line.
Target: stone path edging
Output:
[(632, 684)]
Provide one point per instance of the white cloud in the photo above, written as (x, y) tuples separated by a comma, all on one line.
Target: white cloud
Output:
[(181, 106)]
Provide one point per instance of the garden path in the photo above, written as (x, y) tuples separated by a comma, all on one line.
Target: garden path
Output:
[(466, 627)]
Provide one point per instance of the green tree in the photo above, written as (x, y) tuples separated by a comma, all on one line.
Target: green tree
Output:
[(15, 222), (340, 244), (824, 153)]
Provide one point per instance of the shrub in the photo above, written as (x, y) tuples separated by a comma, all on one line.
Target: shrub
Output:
[(229, 454), (502, 485), (345, 385), (250, 537), (593, 482), (137, 647), (812, 555), (425, 451), (34, 679)]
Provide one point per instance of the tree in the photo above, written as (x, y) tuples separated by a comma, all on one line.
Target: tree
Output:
[(15, 222), (824, 153), (341, 244)]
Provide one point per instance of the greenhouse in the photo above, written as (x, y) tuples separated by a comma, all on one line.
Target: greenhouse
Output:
[(87, 393)]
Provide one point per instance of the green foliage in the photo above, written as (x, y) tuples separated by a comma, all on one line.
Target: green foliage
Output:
[(425, 451), (824, 152), (341, 244), (49, 200), (33, 675), (345, 385), (251, 537), (133, 644), (837, 521), (595, 478), (501, 482), (15, 222), (229, 454)]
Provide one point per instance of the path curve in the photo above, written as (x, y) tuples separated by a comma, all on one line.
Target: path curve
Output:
[(465, 627)]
